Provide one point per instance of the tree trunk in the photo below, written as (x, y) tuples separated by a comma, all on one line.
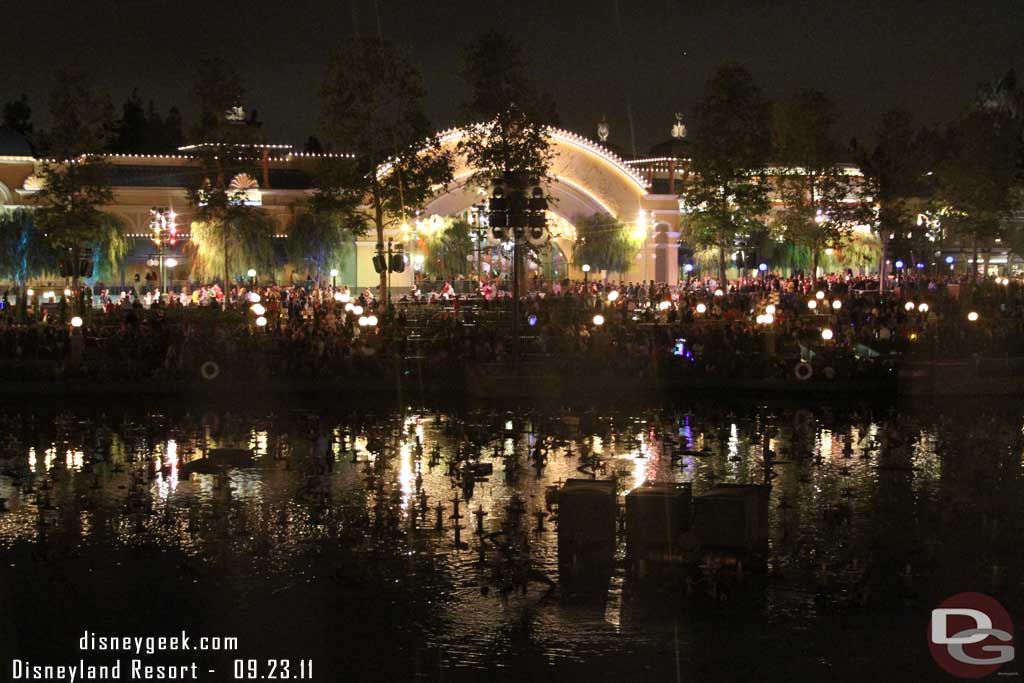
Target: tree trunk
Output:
[(721, 267), (227, 270), (385, 298), (974, 263), (882, 270)]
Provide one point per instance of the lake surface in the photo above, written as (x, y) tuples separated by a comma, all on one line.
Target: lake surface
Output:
[(877, 514)]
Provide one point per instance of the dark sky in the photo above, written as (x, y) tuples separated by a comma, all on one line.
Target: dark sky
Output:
[(602, 57)]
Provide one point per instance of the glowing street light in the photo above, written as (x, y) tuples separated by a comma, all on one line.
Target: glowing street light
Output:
[(819, 295), (251, 272), (170, 262), (719, 292), (973, 316), (909, 305), (338, 296), (76, 322), (812, 304), (371, 320), (357, 310), (922, 307), (826, 334), (837, 304), (702, 308), (613, 295), (253, 297), (261, 321), (258, 309), (664, 305), (770, 309), (334, 277), (599, 320)]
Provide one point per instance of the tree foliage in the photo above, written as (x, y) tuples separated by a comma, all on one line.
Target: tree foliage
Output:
[(317, 241), (506, 113), (812, 184), (727, 195), (225, 148), (77, 184), (373, 108), (976, 177), (244, 234), (143, 130), (604, 242), (24, 252), (449, 250)]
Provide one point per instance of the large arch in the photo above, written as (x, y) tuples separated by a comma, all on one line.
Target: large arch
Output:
[(589, 179)]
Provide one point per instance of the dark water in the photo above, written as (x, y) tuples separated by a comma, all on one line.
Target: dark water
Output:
[(877, 514)]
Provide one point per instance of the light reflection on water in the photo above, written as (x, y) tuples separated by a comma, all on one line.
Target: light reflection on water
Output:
[(894, 509)]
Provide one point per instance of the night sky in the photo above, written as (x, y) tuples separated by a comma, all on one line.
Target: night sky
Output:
[(601, 57)]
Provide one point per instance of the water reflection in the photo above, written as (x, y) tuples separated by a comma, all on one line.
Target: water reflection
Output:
[(892, 510)]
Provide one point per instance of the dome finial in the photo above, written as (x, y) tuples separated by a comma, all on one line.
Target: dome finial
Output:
[(603, 130), (679, 129)]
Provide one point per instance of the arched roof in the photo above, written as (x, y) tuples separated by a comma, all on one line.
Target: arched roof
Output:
[(589, 179)]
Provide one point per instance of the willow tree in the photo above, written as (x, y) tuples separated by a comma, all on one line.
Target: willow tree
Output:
[(24, 252), (229, 235), (373, 109), (727, 195), (319, 238), (605, 243), (449, 250), (77, 183), (813, 185)]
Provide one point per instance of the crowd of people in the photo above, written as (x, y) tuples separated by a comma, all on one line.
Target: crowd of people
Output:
[(839, 325)]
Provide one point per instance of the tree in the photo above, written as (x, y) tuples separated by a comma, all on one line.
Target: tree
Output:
[(24, 252), (228, 234), (142, 130), (18, 117), (373, 108), (234, 239), (896, 172), (603, 242), (318, 238), (449, 250), (506, 113), (77, 184), (496, 73), (728, 192), (506, 118), (976, 178), (813, 186)]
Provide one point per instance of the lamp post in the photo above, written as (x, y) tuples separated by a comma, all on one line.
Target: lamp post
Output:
[(161, 222), (334, 278), (586, 272)]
